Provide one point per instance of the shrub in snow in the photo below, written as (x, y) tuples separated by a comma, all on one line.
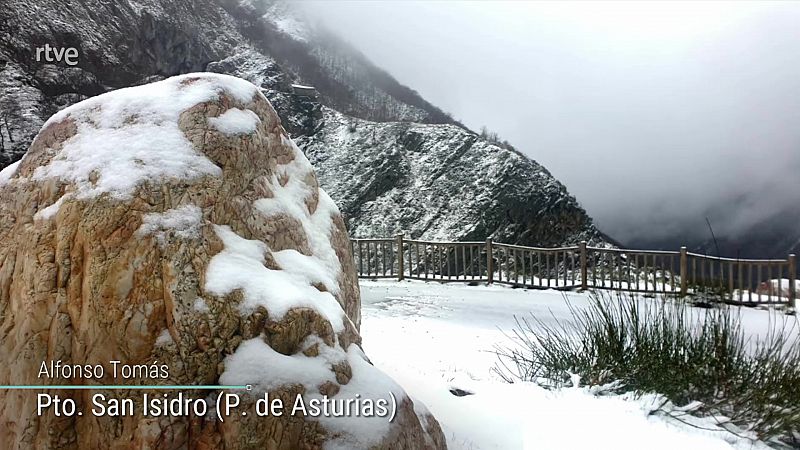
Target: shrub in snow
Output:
[(176, 223), (696, 357)]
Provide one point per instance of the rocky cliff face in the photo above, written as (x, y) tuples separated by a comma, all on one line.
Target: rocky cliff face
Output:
[(408, 165), (440, 182), (176, 223)]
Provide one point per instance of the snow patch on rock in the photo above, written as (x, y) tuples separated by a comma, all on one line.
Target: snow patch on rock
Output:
[(255, 362), (183, 222), (241, 266), (200, 305), (8, 173), (108, 154), (236, 121), (164, 338), (289, 199), (52, 210), (307, 267)]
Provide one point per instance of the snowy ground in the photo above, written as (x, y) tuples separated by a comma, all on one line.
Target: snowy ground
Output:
[(431, 337)]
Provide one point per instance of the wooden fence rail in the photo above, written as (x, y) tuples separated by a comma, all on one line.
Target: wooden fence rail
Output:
[(679, 273)]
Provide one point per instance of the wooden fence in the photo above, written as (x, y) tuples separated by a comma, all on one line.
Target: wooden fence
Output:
[(679, 273)]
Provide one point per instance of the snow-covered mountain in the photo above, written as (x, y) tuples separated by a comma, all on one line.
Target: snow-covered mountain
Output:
[(391, 159), (439, 181)]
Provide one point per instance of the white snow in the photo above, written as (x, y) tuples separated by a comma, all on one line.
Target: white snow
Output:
[(292, 27), (308, 268), (430, 337), (289, 199), (200, 305), (241, 266), (129, 136), (183, 222), (367, 382), (50, 211), (8, 172), (288, 20), (236, 121), (256, 363), (164, 339), (249, 64)]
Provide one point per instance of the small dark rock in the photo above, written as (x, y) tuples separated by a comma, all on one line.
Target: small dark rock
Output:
[(458, 392)]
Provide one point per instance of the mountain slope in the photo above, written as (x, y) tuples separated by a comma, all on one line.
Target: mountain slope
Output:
[(391, 159), (440, 181), (345, 78)]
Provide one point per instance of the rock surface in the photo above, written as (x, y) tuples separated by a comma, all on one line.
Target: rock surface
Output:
[(176, 223)]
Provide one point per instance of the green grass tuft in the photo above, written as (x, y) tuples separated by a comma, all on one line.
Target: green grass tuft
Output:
[(667, 347)]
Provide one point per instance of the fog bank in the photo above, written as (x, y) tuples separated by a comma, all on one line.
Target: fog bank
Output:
[(655, 115)]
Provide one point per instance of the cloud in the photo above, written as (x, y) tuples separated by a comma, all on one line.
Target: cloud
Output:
[(655, 115)]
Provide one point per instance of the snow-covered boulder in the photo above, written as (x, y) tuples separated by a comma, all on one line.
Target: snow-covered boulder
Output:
[(177, 224)]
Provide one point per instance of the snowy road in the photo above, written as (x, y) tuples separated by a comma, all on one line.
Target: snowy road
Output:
[(431, 337)]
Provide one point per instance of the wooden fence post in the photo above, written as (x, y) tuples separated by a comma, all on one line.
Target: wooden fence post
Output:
[(792, 279), (684, 271), (400, 258), (584, 266), (489, 261)]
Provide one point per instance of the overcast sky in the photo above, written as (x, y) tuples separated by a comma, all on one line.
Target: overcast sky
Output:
[(654, 115)]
